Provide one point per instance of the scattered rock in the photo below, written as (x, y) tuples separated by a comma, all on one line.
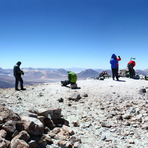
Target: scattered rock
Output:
[(143, 90), (61, 100), (75, 97)]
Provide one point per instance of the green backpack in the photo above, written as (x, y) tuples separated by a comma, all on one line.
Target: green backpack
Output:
[(72, 77)]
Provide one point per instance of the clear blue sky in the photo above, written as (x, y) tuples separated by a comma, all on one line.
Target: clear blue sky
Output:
[(73, 33)]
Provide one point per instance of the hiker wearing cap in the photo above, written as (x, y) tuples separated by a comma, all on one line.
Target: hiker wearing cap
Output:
[(17, 72), (72, 78), (131, 65), (114, 66)]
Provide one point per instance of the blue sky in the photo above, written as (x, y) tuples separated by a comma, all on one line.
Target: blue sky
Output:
[(73, 33)]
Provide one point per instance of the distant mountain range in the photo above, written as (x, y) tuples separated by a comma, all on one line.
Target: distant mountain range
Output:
[(41, 75)]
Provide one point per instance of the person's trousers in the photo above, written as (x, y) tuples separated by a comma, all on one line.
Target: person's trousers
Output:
[(66, 82), (17, 80), (115, 73), (131, 70)]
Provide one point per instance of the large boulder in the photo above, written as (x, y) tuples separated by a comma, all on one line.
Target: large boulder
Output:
[(52, 113), (7, 114), (32, 125)]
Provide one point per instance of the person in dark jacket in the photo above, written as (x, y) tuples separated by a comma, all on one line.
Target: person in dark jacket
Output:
[(130, 66), (17, 74), (114, 66)]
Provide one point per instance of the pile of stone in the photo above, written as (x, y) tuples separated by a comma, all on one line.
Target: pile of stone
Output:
[(40, 129), (123, 72)]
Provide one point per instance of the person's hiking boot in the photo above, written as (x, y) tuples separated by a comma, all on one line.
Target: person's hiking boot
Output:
[(23, 88), (17, 89)]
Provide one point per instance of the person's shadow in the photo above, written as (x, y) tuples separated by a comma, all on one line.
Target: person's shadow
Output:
[(121, 81), (70, 87)]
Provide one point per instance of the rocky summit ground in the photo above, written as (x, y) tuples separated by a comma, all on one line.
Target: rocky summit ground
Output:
[(101, 113)]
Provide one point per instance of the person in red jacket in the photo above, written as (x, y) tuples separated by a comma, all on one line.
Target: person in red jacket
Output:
[(119, 59), (131, 65)]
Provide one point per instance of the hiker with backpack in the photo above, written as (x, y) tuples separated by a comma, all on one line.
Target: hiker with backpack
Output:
[(114, 66), (131, 64), (72, 79)]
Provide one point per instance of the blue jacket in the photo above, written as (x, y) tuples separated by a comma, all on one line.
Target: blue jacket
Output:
[(114, 61)]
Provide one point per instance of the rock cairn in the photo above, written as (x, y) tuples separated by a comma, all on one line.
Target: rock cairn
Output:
[(41, 129)]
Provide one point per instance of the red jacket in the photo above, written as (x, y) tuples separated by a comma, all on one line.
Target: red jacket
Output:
[(119, 59), (132, 62)]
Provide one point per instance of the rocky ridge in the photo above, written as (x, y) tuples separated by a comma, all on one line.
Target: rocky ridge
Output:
[(101, 113)]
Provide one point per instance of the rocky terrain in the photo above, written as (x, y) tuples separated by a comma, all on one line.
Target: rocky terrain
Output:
[(101, 114)]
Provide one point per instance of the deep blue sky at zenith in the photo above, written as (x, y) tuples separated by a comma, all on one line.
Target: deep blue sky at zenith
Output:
[(73, 33)]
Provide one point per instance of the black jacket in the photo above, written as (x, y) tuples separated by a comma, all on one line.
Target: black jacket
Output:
[(16, 71)]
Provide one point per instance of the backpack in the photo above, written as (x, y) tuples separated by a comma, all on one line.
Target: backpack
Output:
[(72, 77)]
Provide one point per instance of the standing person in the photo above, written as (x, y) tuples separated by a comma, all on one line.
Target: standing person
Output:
[(131, 65), (17, 74), (72, 78), (114, 66)]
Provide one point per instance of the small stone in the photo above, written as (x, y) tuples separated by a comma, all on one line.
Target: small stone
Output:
[(75, 124), (131, 141), (61, 100), (106, 125), (48, 140), (85, 95)]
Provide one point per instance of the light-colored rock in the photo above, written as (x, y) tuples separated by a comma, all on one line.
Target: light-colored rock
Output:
[(67, 129), (20, 140), (3, 133)]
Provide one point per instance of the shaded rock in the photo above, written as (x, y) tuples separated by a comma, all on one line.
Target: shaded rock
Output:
[(127, 116), (73, 139), (33, 144), (75, 124), (33, 125), (62, 144), (60, 122), (75, 97), (48, 139), (108, 125), (52, 114), (49, 123), (46, 129), (51, 134), (119, 117), (143, 90), (20, 140), (61, 100), (85, 95), (145, 126), (4, 143), (3, 133), (7, 114), (9, 126), (19, 144)]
